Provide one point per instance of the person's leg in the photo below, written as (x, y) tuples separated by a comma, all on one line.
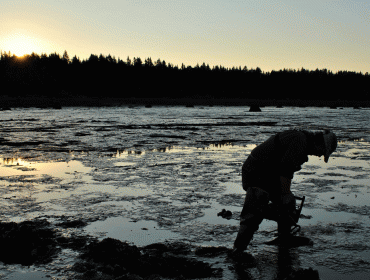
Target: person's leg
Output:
[(286, 210), (251, 216)]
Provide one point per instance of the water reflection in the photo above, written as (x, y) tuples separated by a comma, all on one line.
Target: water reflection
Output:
[(10, 161), (19, 166), (222, 146), (126, 153), (140, 233)]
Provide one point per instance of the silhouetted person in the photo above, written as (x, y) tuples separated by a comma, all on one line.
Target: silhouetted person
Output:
[(267, 175)]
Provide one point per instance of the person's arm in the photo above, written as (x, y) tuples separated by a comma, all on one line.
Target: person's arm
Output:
[(285, 185)]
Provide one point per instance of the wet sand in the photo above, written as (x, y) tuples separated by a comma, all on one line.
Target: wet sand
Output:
[(161, 189)]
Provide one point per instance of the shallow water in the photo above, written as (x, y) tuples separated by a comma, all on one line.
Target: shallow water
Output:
[(144, 175)]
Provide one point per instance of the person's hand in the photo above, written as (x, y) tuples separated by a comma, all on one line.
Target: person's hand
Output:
[(288, 199)]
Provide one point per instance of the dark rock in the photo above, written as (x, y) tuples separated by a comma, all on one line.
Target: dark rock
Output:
[(82, 266), (225, 214), (254, 108), (72, 224), (159, 260), (156, 246), (27, 243), (174, 248), (112, 251)]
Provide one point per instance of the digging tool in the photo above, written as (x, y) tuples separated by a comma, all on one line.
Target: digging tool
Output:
[(272, 213)]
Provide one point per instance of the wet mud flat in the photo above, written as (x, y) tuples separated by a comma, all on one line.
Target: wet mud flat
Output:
[(166, 204), (160, 207)]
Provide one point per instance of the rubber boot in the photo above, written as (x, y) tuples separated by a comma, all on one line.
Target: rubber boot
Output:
[(242, 241), (284, 235)]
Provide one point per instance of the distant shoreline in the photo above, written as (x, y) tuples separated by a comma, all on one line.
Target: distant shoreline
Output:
[(45, 102)]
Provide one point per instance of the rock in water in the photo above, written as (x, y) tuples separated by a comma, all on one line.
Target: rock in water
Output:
[(227, 214), (254, 108)]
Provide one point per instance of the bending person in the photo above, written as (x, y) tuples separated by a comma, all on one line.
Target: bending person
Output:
[(267, 174)]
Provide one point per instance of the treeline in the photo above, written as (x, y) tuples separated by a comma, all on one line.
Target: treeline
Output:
[(57, 75)]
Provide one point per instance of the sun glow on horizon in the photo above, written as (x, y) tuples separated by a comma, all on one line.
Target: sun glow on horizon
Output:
[(20, 44)]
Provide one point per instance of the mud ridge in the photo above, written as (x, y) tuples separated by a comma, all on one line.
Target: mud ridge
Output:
[(113, 259), (35, 242)]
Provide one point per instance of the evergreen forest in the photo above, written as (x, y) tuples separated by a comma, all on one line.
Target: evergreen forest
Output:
[(56, 75)]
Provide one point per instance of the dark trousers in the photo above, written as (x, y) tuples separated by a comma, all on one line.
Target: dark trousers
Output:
[(262, 185)]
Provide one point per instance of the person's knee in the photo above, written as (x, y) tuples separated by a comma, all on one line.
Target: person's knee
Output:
[(256, 201), (256, 197), (251, 221)]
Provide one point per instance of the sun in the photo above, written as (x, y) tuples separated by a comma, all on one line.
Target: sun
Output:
[(20, 44)]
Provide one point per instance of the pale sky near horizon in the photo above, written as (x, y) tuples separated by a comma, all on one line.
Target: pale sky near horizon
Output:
[(270, 34)]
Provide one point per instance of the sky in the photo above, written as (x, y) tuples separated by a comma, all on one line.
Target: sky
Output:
[(269, 34)]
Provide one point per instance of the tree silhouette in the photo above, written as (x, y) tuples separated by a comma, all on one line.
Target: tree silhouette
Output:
[(105, 76)]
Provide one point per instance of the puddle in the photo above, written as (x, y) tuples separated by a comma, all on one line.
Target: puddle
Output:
[(140, 233), (27, 275), (322, 216), (211, 215), (331, 274), (233, 187), (124, 163), (65, 170)]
